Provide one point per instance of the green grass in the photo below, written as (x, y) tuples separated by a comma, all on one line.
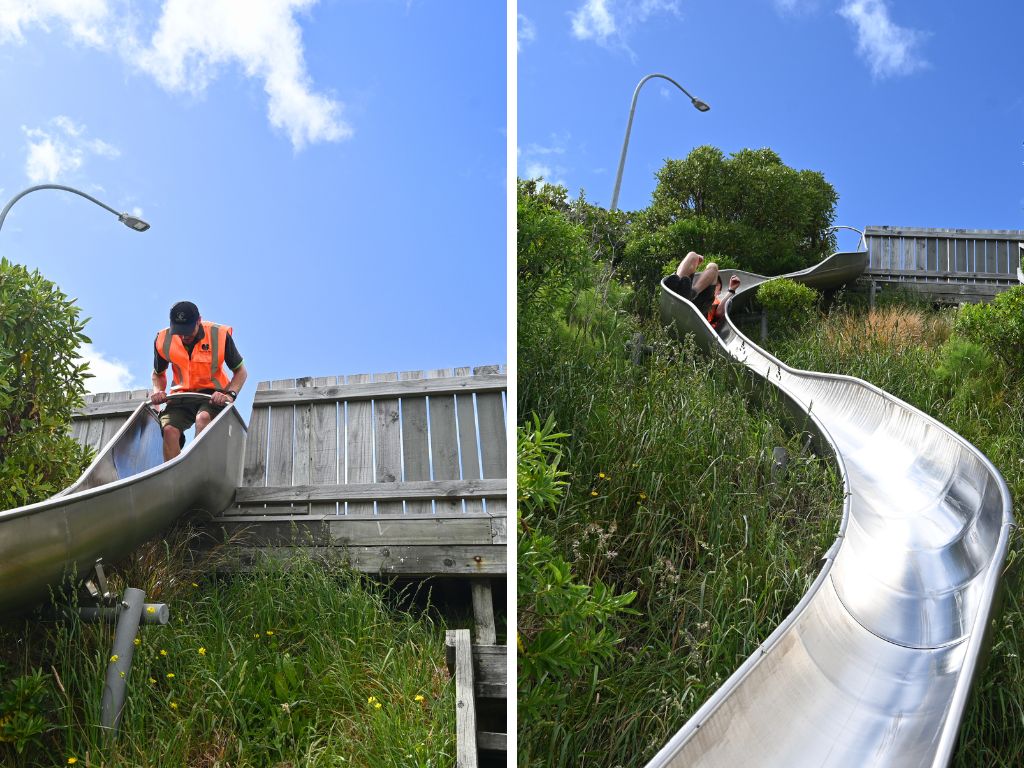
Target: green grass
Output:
[(299, 666), (670, 495)]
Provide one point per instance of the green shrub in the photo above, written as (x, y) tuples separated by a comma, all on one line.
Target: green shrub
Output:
[(24, 714), (790, 305), (553, 261), (968, 372), (997, 326), (41, 383), (563, 630)]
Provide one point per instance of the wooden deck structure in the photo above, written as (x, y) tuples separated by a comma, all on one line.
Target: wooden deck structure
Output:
[(401, 474), (949, 266)]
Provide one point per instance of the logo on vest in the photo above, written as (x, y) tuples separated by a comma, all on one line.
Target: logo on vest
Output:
[(206, 347)]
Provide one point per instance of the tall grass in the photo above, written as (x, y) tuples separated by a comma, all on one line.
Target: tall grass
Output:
[(671, 495), (303, 665)]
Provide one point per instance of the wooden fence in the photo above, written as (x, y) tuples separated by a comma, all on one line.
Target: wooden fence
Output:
[(946, 265), (103, 414), (404, 472)]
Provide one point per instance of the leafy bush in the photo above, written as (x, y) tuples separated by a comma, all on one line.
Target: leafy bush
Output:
[(552, 258), (563, 624), (24, 716), (997, 326), (41, 383), (790, 305)]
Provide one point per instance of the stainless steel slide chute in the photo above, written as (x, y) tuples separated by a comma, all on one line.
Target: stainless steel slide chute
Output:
[(874, 665), (125, 497)]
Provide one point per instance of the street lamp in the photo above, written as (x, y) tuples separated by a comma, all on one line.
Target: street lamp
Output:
[(697, 103), (132, 222)]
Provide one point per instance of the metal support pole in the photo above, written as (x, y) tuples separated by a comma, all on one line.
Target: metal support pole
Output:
[(152, 613), (764, 326), (120, 664)]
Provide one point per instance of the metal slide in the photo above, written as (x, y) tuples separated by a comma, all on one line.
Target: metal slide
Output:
[(874, 665), (126, 496)]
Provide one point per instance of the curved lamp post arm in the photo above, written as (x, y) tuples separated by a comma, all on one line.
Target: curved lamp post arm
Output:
[(697, 103), (133, 222)]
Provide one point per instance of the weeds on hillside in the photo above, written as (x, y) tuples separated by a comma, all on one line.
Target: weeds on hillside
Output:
[(301, 664)]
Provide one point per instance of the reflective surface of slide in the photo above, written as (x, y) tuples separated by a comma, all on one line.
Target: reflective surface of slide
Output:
[(126, 496), (874, 665)]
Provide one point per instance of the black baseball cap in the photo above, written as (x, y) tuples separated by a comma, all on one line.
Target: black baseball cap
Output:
[(184, 315)]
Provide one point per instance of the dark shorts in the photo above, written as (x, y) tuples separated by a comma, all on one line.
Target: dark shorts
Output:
[(182, 415), (684, 287)]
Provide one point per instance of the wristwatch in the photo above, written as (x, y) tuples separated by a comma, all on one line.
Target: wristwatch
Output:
[(232, 393)]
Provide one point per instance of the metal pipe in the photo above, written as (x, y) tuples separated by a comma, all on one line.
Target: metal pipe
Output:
[(697, 103), (132, 222), (157, 614), (120, 664)]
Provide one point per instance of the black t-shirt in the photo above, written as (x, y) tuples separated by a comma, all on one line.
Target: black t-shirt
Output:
[(232, 358)]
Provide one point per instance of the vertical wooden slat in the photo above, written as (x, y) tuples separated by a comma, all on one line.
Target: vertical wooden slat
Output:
[(94, 434), (282, 428), (256, 444), (466, 410), (444, 445), (388, 444), (465, 703), (302, 455), (415, 449), (483, 612), (359, 446), (490, 413), (323, 450)]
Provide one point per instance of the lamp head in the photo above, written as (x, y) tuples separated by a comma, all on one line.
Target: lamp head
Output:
[(699, 104), (133, 222)]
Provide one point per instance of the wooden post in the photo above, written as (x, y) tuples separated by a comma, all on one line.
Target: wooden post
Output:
[(871, 295), (483, 611), (465, 705)]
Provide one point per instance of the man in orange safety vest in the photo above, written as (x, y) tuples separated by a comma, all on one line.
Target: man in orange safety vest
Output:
[(197, 352)]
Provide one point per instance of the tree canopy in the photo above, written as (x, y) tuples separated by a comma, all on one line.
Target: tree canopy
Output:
[(41, 383), (749, 209)]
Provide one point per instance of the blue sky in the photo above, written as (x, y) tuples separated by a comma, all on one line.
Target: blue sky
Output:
[(913, 110), (326, 176)]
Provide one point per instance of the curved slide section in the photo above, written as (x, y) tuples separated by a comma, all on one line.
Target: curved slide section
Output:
[(125, 497), (874, 665)]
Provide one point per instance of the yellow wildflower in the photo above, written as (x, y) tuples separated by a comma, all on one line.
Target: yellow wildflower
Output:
[(138, 641), (152, 680), (270, 632), (202, 651), (418, 697), (601, 475), (377, 705), (163, 652), (72, 760), (170, 675), (593, 493), (174, 705), (114, 658), (194, 584), (642, 495), (371, 700)]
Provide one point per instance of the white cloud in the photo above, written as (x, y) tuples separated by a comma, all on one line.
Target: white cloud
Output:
[(608, 21), (888, 48), (107, 375), (526, 32), (82, 18), (539, 160), (193, 42), (196, 38), (593, 21), (60, 149)]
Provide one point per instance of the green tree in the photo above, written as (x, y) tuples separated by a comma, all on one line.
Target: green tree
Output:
[(41, 383), (768, 217), (553, 260)]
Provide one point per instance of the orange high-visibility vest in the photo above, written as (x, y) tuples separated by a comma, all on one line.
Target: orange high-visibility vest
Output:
[(203, 369)]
